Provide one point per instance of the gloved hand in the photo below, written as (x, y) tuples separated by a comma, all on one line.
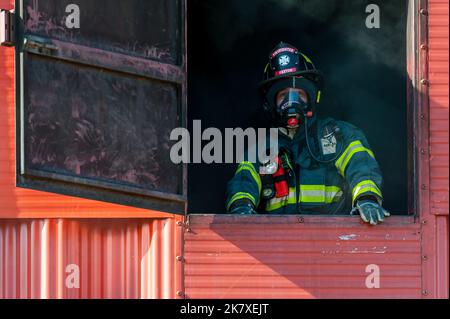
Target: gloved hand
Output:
[(243, 207), (370, 211)]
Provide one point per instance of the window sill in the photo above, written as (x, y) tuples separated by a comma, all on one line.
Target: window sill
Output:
[(305, 220)]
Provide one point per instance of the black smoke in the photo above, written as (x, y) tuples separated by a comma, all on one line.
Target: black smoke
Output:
[(228, 46)]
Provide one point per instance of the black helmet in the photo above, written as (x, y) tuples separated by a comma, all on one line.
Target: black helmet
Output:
[(288, 67)]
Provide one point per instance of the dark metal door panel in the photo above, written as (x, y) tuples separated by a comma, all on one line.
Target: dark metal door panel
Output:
[(97, 104), (143, 28)]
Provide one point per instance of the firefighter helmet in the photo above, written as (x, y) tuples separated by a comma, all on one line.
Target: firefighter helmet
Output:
[(290, 68)]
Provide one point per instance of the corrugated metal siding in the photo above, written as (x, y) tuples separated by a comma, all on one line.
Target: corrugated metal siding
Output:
[(439, 105), (116, 258), (439, 147), (279, 257)]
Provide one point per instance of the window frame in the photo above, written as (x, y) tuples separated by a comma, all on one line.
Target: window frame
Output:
[(417, 112), (417, 104)]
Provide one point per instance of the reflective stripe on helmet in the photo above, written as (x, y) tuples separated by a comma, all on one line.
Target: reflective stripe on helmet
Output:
[(307, 59)]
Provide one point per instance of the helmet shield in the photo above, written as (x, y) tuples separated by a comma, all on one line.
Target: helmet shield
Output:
[(284, 62)]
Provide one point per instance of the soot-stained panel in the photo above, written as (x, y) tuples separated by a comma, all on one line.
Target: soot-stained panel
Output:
[(100, 125), (143, 28)]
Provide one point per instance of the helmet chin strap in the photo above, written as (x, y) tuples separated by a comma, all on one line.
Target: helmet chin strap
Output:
[(290, 132)]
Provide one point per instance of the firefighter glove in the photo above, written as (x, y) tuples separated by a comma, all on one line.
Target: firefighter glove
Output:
[(370, 211), (243, 207)]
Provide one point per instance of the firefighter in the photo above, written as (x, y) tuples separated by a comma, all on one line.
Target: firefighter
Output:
[(323, 166)]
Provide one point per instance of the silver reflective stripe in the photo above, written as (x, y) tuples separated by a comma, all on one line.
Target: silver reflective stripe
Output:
[(320, 194), (309, 194), (276, 203)]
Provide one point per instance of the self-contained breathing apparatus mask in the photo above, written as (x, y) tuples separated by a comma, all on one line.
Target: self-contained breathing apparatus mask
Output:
[(292, 104)]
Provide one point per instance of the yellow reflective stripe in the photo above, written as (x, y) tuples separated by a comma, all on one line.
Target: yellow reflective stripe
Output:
[(319, 193), (306, 58), (308, 194), (319, 94), (247, 166), (364, 187), (289, 162), (352, 149), (276, 203), (241, 195)]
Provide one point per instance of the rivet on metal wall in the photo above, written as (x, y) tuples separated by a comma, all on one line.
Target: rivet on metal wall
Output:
[(424, 258), (180, 293), (424, 222), (424, 47), (180, 258), (422, 151), (301, 220), (422, 116), (425, 292), (424, 187), (424, 12), (179, 223), (424, 82)]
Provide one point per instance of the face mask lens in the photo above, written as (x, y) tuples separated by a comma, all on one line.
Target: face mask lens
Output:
[(290, 98), (291, 105)]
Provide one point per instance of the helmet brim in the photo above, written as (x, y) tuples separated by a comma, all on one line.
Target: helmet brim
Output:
[(314, 75)]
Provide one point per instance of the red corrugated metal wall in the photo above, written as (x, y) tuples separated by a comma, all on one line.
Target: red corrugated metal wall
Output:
[(439, 111), (63, 258), (439, 134), (284, 257)]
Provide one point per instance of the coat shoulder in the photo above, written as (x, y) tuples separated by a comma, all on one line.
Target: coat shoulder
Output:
[(345, 131), (347, 126), (348, 130), (343, 127)]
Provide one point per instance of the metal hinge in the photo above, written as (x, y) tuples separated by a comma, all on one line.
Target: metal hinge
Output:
[(38, 44), (7, 33)]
